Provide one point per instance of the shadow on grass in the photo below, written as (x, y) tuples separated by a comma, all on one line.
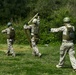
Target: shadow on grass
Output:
[(20, 54), (67, 67), (44, 55)]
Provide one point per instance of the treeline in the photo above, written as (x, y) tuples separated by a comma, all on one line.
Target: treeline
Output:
[(51, 13), (15, 9)]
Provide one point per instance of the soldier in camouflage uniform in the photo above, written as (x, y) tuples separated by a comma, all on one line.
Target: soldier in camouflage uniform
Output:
[(67, 42), (34, 32), (10, 38)]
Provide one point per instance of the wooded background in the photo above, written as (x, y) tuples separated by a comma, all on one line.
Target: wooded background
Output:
[(52, 12)]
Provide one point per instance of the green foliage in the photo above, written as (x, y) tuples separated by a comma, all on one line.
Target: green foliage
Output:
[(51, 13)]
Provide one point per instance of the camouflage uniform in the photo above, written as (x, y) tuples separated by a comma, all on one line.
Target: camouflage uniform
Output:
[(34, 31), (10, 40), (67, 45)]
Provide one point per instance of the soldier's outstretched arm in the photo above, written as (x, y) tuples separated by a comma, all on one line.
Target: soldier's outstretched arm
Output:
[(4, 31), (57, 29), (54, 29)]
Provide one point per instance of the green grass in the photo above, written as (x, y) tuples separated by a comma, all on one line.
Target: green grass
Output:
[(26, 64)]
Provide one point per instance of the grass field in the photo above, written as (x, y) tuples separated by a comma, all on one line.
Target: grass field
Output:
[(26, 64)]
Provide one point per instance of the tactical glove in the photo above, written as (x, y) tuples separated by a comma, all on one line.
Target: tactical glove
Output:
[(25, 26)]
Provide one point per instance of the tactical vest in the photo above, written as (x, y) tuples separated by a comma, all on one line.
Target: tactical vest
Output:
[(11, 34), (35, 29), (69, 34)]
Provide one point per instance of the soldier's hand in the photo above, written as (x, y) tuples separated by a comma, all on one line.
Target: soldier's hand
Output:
[(2, 31), (49, 30), (25, 26)]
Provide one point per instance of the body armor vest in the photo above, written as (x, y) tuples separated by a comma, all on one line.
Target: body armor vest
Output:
[(35, 29), (11, 34), (35, 32), (69, 34)]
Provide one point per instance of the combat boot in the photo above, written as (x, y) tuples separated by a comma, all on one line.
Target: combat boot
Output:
[(39, 54), (58, 66)]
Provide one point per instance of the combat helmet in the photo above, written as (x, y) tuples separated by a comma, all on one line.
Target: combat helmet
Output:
[(66, 20), (34, 21), (9, 24)]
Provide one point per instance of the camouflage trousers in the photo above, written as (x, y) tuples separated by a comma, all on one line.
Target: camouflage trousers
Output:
[(67, 47), (10, 47), (35, 48)]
